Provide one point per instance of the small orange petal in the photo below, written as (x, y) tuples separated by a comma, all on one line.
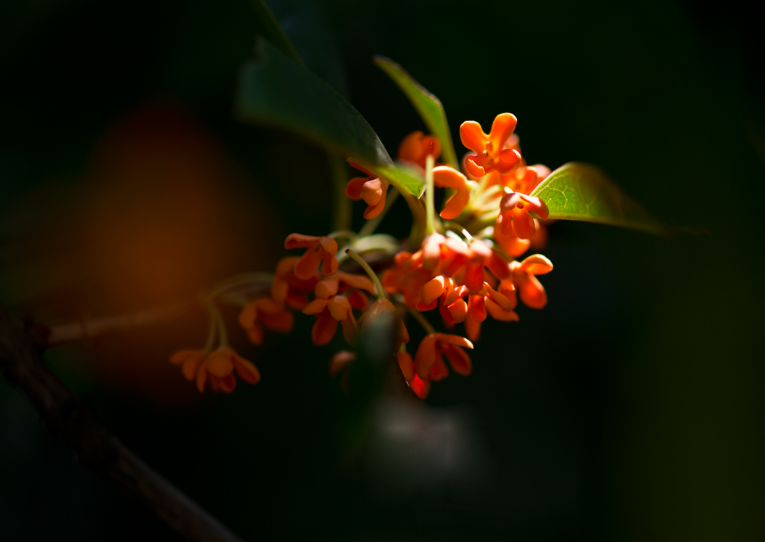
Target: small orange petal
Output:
[(339, 307), (324, 329), (281, 322), (433, 289), (181, 356), (316, 306), (191, 366), (298, 240), (420, 387), (501, 130), (327, 287), (426, 355), (308, 263), (201, 378), (255, 334), (439, 371), (246, 370), (498, 313), (219, 363), (473, 328), (472, 136), (355, 187), (536, 264), (340, 360), (532, 293), (456, 340), (359, 282), (458, 359)]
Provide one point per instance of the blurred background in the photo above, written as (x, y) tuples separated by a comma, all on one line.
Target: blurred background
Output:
[(631, 408)]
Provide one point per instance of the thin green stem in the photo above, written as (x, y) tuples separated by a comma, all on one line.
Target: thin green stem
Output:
[(343, 234), (221, 325), (372, 275), (423, 322), (343, 207), (238, 280), (213, 327), (430, 206)]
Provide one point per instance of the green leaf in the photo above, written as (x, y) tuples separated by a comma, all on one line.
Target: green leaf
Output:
[(583, 192), (306, 28), (277, 91), (271, 30), (428, 106)]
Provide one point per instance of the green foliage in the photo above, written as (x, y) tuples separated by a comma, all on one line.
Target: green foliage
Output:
[(270, 29), (277, 91), (583, 192), (428, 106)]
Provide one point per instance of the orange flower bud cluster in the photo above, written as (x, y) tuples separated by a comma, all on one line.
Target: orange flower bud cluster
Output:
[(466, 269)]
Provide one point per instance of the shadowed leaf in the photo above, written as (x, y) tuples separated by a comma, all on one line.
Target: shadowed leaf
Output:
[(277, 91), (583, 192), (428, 106), (271, 30)]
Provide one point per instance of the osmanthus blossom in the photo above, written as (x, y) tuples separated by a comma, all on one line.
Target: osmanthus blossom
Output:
[(490, 152), (416, 147), (265, 312), (216, 367), (461, 271), (320, 250)]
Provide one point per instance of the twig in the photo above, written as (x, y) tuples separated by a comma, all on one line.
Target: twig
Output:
[(68, 419), (88, 329)]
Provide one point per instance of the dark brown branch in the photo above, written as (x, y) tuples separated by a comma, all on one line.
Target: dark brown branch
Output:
[(68, 419)]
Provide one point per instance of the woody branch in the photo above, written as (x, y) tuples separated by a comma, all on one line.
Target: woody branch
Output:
[(67, 418)]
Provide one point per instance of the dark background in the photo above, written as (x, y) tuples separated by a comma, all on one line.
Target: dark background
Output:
[(631, 408)]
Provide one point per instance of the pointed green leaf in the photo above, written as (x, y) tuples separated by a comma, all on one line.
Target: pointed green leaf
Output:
[(277, 91), (428, 106), (271, 30), (583, 192)]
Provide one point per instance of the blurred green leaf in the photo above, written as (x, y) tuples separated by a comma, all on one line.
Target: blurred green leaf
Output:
[(583, 192), (306, 27), (271, 30), (277, 91), (428, 106)]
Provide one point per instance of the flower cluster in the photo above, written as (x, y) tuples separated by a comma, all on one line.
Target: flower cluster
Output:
[(466, 264)]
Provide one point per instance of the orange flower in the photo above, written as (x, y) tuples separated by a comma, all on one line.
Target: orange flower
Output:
[(429, 358), (531, 290), (328, 313), (342, 361), (420, 387), (453, 308), (416, 147), (320, 250), (446, 177), (525, 178), (514, 217), (373, 190), (190, 360), (342, 282), (217, 367), (510, 242), (490, 150), (497, 304), (268, 312), (289, 289)]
